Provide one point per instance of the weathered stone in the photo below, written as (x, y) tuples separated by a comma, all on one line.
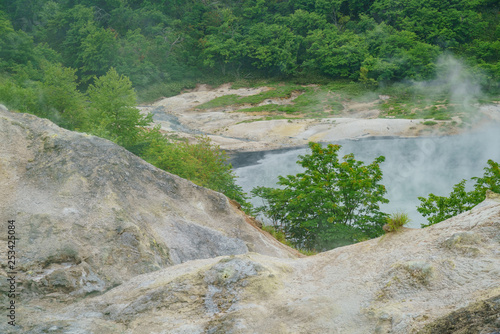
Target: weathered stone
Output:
[(94, 215), (110, 244), (482, 317)]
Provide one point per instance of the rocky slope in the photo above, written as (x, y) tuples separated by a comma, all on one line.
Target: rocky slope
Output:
[(110, 244), (90, 215)]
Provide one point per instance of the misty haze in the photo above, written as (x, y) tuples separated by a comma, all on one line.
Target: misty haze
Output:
[(413, 166)]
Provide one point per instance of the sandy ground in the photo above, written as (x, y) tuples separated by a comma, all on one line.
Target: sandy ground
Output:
[(236, 131)]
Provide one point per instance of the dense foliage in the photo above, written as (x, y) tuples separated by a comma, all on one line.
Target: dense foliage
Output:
[(154, 42), (332, 203), (439, 208), (108, 109), (203, 163)]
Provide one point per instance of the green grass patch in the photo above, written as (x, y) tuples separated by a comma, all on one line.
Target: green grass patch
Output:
[(276, 92), (284, 91), (328, 98), (267, 118), (308, 252), (412, 108), (397, 220), (268, 108), (316, 102), (251, 120), (277, 234), (220, 102), (429, 123), (349, 89)]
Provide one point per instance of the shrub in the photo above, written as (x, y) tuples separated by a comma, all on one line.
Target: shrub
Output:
[(203, 163), (332, 203), (276, 233), (439, 208)]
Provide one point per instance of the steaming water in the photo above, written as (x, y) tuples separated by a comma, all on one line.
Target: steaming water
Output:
[(413, 167)]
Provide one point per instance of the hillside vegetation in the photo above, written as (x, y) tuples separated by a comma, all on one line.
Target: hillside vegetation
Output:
[(164, 45)]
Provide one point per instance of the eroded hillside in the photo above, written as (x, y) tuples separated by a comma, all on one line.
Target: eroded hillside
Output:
[(110, 244)]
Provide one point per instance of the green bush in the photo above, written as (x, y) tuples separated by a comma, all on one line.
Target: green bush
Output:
[(440, 208), (332, 203), (281, 237), (202, 163), (276, 233), (113, 114)]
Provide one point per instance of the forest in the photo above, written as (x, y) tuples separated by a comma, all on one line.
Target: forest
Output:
[(86, 64), (162, 46)]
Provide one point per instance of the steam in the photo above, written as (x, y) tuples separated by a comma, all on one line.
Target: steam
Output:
[(455, 81), (463, 85), (413, 167)]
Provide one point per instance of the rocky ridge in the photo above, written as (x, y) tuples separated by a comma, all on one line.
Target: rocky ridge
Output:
[(110, 244)]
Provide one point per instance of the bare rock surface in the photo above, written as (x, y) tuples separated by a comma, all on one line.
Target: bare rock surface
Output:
[(236, 131), (404, 282), (246, 131), (90, 215), (110, 244)]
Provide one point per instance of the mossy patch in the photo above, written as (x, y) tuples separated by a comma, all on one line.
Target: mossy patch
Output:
[(411, 274), (65, 254), (419, 271)]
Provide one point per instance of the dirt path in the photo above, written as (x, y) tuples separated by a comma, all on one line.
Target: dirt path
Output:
[(238, 131)]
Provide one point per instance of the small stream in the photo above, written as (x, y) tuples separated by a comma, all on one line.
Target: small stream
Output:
[(160, 115), (413, 167)]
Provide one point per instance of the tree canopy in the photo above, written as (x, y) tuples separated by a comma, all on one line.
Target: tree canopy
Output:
[(81, 64), (332, 203), (157, 41)]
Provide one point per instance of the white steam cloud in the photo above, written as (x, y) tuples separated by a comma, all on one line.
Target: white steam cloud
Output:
[(455, 81), (413, 167)]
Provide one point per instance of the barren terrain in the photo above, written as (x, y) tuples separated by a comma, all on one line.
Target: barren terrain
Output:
[(249, 131)]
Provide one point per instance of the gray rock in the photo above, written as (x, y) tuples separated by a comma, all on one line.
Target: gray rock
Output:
[(91, 215), (110, 244)]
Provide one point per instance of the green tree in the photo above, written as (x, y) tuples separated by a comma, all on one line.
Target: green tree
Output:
[(16, 47), (226, 47), (97, 52), (335, 53), (133, 59), (66, 31), (332, 203), (113, 113), (64, 102), (396, 55), (273, 47), (440, 208)]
